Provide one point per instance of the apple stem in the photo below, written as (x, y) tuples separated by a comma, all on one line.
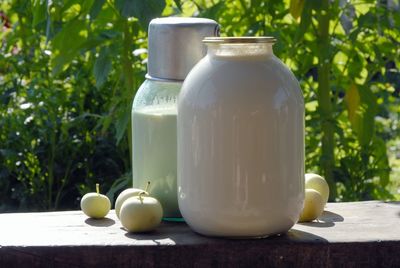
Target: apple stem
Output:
[(140, 196), (144, 192), (97, 188), (147, 186)]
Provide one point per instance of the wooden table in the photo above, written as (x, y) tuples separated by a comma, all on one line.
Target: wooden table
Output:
[(359, 234)]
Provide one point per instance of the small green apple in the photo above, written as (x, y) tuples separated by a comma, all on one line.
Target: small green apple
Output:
[(141, 213), (95, 205), (313, 206), (125, 194), (318, 183)]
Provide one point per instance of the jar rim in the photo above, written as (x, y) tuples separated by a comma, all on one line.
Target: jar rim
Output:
[(240, 40)]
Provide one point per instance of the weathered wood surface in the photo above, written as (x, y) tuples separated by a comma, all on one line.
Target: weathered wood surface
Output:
[(360, 234)]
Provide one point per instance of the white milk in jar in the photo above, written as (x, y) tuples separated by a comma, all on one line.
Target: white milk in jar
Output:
[(240, 141), (155, 151)]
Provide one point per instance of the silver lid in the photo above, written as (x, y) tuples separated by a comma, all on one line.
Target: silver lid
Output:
[(240, 40), (175, 45)]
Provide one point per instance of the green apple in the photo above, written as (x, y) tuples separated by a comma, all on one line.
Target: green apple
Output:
[(95, 205), (313, 206), (141, 213), (318, 183), (125, 194)]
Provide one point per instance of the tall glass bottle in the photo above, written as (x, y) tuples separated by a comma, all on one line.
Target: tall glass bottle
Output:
[(175, 46)]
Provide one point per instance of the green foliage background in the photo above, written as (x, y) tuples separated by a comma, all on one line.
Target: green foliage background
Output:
[(69, 70)]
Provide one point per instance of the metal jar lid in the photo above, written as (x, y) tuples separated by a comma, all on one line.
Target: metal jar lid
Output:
[(240, 40), (175, 45)]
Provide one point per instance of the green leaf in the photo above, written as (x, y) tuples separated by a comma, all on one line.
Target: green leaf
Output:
[(382, 161), (213, 11), (304, 23), (96, 39), (145, 11), (362, 108), (39, 11), (96, 8), (119, 184), (367, 20), (316, 5), (105, 123), (66, 44), (122, 121), (67, 4), (102, 67), (296, 8), (353, 102), (356, 65), (86, 6), (178, 4)]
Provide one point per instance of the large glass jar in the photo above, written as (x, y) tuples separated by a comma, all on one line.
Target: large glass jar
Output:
[(240, 141)]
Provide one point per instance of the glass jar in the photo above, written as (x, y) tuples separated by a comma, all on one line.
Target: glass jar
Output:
[(240, 141), (154, 141), (174, 48)]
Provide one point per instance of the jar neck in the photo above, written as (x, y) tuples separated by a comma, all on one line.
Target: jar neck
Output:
[(240, 50)]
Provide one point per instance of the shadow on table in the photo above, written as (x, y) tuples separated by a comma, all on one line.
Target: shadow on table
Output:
[(327, 219), (302, 236), (155, 237), (167, 233), (104, 222), (180, 233)]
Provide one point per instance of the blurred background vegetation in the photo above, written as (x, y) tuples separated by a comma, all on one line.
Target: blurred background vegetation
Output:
[(69, 70)]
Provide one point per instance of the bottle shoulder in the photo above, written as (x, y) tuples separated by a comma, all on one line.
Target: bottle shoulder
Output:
[(154, 93), (215, 81)]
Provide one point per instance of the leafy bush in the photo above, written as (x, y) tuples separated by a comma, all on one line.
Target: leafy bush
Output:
[(69, 70)]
